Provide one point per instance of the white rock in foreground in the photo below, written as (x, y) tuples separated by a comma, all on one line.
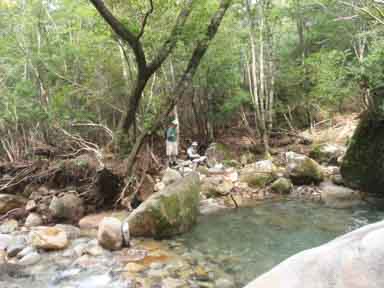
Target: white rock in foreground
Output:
[(355, 260)]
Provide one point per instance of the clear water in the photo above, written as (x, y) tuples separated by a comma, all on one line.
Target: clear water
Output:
[(250, 241)]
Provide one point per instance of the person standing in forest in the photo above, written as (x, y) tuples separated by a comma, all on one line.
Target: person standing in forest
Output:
[(171, 143)]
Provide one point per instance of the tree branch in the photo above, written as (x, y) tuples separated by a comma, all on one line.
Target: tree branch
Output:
[(122, 32), (170, 43), (150, 11)]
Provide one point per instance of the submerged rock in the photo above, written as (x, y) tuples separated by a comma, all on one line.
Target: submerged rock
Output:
[(303, 170), (259, 174), (48, 238), (172, 211), (336, 196), (350, 261), (110, 234), (9, 202)]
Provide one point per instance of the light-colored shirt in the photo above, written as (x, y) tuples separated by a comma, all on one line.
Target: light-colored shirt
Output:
[(192, 154)]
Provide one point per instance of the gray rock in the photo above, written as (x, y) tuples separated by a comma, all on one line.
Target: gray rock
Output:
[(259, 174), (33, 220), (72, 232), (67, 207), (9, 202), (27, 250), (48, 238), (96, 281), (303, 170), (327, 153), (170, 176), (110, 234), (16, 246), (216, 186), (172, 211), (5, 240), (30, 259), (354, 260), (336, 196), (9, 226), (224, 283)]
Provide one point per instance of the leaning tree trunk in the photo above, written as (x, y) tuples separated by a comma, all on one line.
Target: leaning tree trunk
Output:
[(363, 164)]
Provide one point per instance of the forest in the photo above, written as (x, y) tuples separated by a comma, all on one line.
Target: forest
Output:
[(280, 101)]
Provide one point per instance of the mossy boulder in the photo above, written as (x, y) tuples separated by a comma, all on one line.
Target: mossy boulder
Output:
[(170, 212), (259, 174), (282, 186), (327, 153), (363, 164), (303, 170)]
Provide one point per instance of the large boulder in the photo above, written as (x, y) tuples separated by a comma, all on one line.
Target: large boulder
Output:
[(172, 211), (110, 234), (259, 174), (362, 167), (327, 153), (68, 207), (336, 196), (354, 260), (48, 238), (9, 202), (303, 170)]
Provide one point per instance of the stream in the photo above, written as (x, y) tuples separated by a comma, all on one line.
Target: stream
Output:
[(227, 249)]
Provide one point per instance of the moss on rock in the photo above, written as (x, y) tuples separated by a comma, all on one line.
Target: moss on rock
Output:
[(363, 164), (172, 211), (282, 186)]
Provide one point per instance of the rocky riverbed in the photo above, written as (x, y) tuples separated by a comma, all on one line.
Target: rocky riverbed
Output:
[(105, 250)]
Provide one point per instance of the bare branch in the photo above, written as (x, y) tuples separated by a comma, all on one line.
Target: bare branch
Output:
[(122, 32), (146, 16)]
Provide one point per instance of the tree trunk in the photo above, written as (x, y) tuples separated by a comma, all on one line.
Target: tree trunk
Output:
[(178, 92)]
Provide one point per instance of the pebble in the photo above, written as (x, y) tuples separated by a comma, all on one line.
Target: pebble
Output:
[(33, 220), (27, 250), (16, 246), (5, 240), (30, 259)]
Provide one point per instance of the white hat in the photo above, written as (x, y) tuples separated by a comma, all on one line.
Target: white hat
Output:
[(194, 143)]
